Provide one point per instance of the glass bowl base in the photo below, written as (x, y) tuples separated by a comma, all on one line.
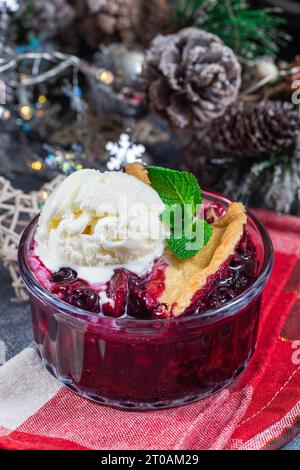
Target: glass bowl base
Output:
[(137, 405)]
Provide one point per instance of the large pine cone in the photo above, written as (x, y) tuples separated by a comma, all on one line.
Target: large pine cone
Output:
[(129, 20), (191, 78), (255, 130)]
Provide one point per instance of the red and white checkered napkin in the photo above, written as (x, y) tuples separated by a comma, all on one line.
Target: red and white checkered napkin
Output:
[(260, 411)]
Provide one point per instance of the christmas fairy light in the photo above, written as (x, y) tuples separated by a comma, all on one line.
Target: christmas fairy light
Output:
[(36, 165), (106, 76), (26, 112)]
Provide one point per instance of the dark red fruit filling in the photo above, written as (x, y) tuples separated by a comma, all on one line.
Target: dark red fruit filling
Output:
[(135, 296), (64, 275), (74, 291), (85, 298), (117, 290), (231, 280), (144, 294), (139, 297)]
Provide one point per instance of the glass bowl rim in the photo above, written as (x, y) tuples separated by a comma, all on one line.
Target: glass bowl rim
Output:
[(233, 306)]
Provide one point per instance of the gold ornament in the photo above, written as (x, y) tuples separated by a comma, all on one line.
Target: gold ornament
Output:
[(16, 210)]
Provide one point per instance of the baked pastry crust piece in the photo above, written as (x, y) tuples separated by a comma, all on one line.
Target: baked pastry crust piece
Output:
[(138, 170), (183, 278)]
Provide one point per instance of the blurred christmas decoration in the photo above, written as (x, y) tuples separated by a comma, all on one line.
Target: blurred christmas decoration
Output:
[(250, 32), (119, 64), (251, 130), (273, 183), (292, 77), (7, 9), (16, 210), (45, 101), (45, 16), (115, 89), (9, 5), (191, 78), (252, 155), (265, 79), (60, 160), (122, 152), (73, 94), (256, 75), (266, 69), (129, 20)]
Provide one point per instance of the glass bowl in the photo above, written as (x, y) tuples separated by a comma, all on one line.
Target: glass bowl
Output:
[(147, 364)]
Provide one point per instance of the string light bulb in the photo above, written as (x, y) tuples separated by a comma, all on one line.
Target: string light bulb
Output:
[(36, 165), (106, 76), (42, 99), (26, 112)]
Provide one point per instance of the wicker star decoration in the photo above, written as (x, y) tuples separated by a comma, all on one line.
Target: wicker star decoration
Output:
[(16, 210)]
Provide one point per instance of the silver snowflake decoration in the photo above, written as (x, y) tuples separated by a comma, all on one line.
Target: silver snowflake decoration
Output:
[(122, 152)]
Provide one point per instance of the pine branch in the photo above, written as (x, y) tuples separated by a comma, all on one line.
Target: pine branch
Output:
[(249, 32)]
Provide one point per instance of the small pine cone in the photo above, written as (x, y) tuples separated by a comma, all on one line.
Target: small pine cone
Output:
[(255, 130), (129, 20), (191, 77)]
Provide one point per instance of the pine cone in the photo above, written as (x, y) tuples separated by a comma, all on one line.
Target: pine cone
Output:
[(129, 20), (191, 77), (255, 130)]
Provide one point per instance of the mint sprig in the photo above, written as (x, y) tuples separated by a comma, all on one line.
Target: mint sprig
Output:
[(175, 187), (180, 188)]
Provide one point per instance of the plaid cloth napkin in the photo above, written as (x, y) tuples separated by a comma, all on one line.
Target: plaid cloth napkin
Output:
[(261, 411)]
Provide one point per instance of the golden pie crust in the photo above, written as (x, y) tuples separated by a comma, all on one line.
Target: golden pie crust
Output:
[(138, 170), (183, 278)]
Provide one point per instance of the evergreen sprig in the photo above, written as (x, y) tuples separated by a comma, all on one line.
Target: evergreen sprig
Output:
[(250, 32)]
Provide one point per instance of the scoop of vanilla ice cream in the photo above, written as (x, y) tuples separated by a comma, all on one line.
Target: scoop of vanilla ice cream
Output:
[(95, 222)]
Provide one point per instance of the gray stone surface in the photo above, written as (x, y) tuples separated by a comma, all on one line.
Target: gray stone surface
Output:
[(15, 322)]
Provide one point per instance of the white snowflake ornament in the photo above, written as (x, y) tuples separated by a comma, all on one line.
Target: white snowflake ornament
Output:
[(122, 152)]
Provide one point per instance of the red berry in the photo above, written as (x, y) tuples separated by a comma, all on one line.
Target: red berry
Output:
[(85, 298), (117, 292), (64, 275)]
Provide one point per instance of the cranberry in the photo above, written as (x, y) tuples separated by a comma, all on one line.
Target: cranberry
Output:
[(64, 275), (85, 298)]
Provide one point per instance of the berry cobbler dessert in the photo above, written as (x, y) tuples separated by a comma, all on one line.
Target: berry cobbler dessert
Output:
[(145, 291)]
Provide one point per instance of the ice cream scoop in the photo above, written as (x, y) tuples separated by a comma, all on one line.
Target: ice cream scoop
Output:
[(95, 222)]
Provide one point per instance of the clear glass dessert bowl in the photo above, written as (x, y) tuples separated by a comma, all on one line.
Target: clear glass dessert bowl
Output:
[(148, 363)]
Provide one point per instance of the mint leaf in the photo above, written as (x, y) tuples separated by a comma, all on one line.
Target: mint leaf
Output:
[(180, 193), (174, 187), (186, 247)]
